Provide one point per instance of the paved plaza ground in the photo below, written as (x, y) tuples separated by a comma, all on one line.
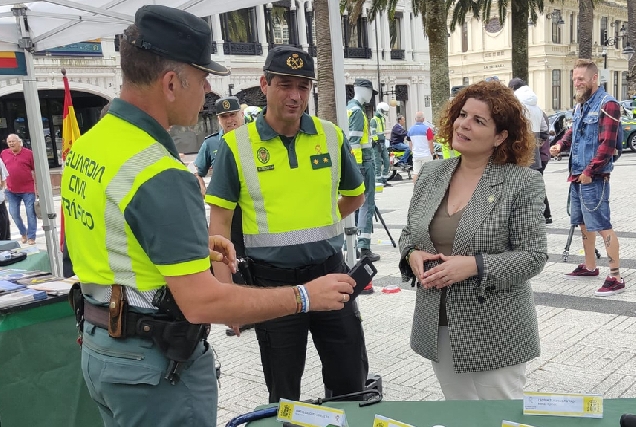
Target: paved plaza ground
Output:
[(588, 344)]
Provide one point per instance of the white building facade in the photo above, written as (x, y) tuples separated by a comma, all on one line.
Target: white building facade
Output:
[(481, 49)]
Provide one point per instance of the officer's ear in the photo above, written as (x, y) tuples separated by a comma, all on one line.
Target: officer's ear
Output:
[(264, 85), (169, 83)]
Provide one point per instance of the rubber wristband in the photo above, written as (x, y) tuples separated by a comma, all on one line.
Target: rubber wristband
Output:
[(305, 297), (299, 301)]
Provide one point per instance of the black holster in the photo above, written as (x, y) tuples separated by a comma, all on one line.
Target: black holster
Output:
[(76, 300), (177, 339), (245, 269)]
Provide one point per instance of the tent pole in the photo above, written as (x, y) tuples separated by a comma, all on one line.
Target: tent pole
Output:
[(34, 117), (337, 54)]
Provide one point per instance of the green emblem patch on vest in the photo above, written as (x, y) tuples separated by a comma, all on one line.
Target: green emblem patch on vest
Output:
[(263, 155), (320, 161)]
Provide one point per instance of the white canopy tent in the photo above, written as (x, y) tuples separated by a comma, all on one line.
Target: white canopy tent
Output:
[(44, 24)]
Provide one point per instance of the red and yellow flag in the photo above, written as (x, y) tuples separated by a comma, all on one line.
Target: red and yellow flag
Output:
[(70, 128), (70, 133)]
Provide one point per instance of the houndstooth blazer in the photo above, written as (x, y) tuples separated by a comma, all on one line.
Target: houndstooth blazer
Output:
[(492, 322)]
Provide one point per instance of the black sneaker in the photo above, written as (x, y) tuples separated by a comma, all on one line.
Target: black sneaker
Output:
[(372, 256), (548, 220), (230, 332)]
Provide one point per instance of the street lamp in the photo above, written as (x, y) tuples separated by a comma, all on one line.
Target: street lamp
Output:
[(383, 92), (606, 41)]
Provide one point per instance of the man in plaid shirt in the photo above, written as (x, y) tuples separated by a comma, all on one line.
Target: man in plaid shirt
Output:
[(592, 141)]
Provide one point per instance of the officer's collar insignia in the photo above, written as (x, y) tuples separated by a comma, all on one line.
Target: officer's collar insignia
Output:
[(226, 105), (318, 149), (295, 62), (263, 155)]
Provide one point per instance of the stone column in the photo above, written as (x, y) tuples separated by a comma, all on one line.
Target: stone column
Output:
[(302, 25), (217, 34), (260, 24), (406, 36)]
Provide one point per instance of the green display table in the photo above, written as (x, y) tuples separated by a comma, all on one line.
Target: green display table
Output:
[(41, 381), (484, 413), (37, 261)]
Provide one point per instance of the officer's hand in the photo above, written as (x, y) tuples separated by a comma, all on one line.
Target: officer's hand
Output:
[(222, 250), (555, 149), (329, 292)]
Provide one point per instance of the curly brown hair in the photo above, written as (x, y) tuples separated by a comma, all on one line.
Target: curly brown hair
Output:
[(507, 113)]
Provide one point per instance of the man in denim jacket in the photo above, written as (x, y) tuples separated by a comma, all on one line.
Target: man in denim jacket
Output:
[(592, 141)]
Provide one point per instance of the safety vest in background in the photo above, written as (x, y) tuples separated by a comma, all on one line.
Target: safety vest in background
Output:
[(272, 191), (377, 123), (357, 131), (447, 153), (95, 195)]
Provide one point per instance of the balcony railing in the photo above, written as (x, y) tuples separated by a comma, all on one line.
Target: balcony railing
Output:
[(397, 53), (235, 48), (357, 52)]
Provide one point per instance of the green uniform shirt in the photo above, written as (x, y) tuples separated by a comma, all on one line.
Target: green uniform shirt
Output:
[(207, 153)]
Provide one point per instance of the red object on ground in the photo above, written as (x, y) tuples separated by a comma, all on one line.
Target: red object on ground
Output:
[(391, 289)]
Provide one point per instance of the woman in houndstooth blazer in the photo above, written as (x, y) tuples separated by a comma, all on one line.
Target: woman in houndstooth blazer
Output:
[(475, 236)]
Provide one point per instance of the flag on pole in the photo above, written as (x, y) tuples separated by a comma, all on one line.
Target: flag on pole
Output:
[(70, 128), (70, 133)]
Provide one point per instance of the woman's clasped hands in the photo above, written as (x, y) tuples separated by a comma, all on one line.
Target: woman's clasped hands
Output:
[(451, 269)]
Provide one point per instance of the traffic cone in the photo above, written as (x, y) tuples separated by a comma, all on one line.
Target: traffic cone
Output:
[(368, 289)]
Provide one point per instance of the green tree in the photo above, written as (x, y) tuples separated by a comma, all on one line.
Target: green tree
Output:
[(631, 38), (324, 60), (434, 14), (585, 28)]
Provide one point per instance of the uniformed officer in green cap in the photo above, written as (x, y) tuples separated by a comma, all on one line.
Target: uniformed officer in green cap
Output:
[(230, 116), (294, 178), (137, 237)]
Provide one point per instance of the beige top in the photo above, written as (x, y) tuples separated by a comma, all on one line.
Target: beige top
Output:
[(442, 231)]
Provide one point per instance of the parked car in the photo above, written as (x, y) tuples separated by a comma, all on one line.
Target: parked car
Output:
[(629, 133), (628, 107)]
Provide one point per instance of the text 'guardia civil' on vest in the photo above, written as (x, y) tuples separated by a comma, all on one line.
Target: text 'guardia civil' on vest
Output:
[(85, 166)]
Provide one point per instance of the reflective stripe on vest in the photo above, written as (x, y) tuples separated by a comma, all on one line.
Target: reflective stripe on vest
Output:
[(264, 237), (356, 149), (379, 127)]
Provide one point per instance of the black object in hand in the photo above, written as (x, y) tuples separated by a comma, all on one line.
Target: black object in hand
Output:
[(362, 273), (628, 420)]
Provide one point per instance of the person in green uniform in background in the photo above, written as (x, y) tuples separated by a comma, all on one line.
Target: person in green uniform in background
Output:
[(230, 116), (360, 143), (136, 233), (380, 144)]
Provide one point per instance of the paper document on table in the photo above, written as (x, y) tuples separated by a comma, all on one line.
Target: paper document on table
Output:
[(381, 421), (59, 287), (21, 297), (513, 424), (563, 405), (308, 415)]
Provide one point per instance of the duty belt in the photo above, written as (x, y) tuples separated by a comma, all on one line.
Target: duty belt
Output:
[(296, 275), (136, 324)]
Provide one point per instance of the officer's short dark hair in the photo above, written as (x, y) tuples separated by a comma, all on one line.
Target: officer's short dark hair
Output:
[(142, 67), (268, 77)]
